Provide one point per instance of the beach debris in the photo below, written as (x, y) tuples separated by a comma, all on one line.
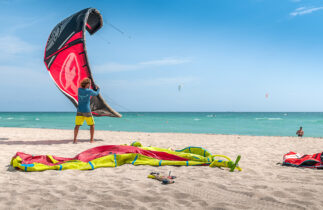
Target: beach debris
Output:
[(164, 179), (66, 58)]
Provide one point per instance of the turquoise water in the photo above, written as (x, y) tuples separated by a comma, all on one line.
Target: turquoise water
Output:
[(243, 123)]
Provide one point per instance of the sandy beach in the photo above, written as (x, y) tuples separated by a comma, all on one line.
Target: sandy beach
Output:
[(263, 184)]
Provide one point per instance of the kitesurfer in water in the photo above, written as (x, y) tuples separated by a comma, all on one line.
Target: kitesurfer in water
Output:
[(83, 109)]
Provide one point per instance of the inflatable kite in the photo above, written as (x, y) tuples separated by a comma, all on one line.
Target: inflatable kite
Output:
[(117, 155), (66, 58), (308, 161)]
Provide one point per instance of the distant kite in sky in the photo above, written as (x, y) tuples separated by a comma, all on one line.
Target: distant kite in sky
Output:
[(179, 87), (67, 61), (267, 95)]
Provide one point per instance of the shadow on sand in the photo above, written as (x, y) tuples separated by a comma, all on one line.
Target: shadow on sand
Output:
[(46, 142), (10, 168), (4, 139)]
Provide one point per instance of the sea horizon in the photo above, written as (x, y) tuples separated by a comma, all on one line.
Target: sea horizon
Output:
[(172, 111)]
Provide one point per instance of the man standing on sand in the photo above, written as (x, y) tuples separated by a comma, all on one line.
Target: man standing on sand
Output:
[(83, 109), (300, 132)]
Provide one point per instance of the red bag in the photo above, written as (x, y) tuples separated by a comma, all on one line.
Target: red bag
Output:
[(308, 161)]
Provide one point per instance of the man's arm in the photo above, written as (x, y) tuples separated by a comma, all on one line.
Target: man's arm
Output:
[(94, 93)]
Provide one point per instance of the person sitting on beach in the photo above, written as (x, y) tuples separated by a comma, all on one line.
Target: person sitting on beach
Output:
[(83, 109), (300, 132)]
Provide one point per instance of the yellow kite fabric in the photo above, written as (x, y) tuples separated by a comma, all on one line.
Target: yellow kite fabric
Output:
[(117, 155)]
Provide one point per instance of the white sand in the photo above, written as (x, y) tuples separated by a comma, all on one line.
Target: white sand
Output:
[(261, 185)]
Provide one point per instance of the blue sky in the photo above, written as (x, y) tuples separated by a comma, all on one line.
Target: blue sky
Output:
[(226, 54)]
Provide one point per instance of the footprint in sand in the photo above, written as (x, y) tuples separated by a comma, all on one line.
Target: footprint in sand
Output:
[(221, 186), (251, 171), (187, 203), (202, 203), (72, 188), (146, 199), (180, 195), (146, 185), (284, 178), (268, 198), (10, 203), (260, 187), (302, 202), (293, 190), (304, 194), (163, 200), (121, 193), (246, 176), (157, 206), (280, 194), (217, 206), (268, 174)]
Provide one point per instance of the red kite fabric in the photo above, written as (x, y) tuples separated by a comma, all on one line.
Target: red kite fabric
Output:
[(67, 61), (98, 152), (117, 155)]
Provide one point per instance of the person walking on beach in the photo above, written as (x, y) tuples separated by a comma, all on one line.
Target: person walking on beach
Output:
[(300, 132), (83, 109)]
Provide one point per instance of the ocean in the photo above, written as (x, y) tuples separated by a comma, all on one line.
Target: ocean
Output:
[(241, 123)]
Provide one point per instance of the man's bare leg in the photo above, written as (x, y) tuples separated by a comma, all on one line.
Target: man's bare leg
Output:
[(92, 133), (76, 131)]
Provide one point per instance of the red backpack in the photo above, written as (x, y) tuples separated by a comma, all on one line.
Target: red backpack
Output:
[(308, 161)]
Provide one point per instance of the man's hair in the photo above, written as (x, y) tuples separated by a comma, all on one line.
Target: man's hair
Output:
[(85, 81)]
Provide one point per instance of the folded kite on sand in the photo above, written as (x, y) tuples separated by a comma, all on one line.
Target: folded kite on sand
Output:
[(308, 161), (117, 155)]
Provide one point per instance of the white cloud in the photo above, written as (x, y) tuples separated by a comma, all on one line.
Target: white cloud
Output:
[(304, 11), (12, 46), (116, 67), (300, 8)]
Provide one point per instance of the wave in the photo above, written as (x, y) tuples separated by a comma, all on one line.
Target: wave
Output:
[(9, 118), (197, 119), (268, 118), (37, 119)]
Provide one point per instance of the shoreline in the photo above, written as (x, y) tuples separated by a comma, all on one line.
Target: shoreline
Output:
[(98, 130), (262, 183)]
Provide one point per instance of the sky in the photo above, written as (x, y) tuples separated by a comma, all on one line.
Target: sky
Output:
[(227, 55)]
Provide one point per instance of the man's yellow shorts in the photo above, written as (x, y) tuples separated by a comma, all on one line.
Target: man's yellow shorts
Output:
[(80, 117)]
